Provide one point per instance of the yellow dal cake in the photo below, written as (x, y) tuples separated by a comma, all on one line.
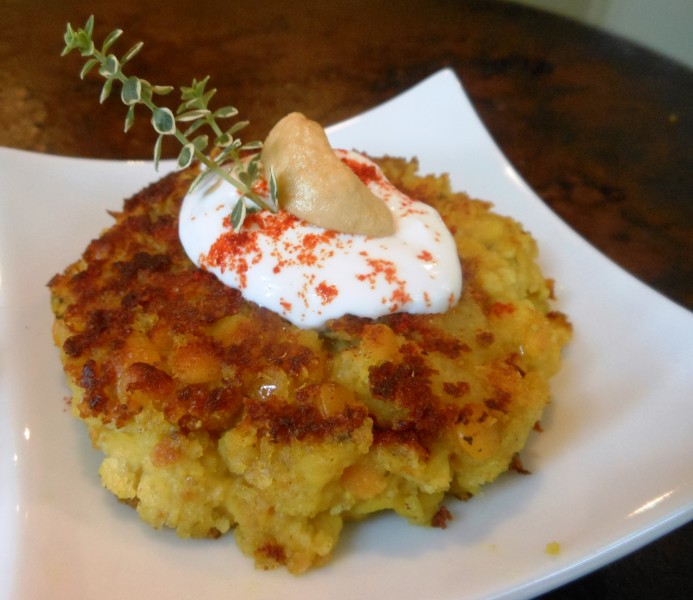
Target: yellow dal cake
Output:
[(215, 414)]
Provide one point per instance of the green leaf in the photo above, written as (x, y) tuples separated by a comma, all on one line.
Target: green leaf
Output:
[(201, 178), (252, 167), (146, 90), (236, 127), (106, 90), (274, 198), (163, 121), (186, 155), (69, 38), (86, 48), (192, 115), (200, 142), (195, 90), (245, 178), (131, 92), (257, 145), (162, 90), (230, 151), (89, 26), (110, 39), (224, 140), (208, 96), (201, 85), (157, 152), (188, 105), (225, 112), (129, 118), (238, 214), (69, 34), (130, 54), (88, 66), (110, 67), (194, 127)]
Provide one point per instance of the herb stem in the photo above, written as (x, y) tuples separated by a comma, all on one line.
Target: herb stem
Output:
[(194, 109)]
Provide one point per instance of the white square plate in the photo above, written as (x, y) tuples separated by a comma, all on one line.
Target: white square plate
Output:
[(612, 469)]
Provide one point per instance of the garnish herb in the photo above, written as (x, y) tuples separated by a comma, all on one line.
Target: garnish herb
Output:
[(192, 115)]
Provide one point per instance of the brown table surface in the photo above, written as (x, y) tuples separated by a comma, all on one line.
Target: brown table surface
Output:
[(600, 128)]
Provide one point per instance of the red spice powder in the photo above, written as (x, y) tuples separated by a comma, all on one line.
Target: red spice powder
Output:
[(271, 225), (231, 252), (261, 187), (235, 251), (379, 266), (307, 254), (326, 292), (427, 299), (425, 255), (366, 173), (388, 270), (399, 297)]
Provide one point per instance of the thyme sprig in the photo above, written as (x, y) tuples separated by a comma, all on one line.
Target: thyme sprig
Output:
[(228, 154)]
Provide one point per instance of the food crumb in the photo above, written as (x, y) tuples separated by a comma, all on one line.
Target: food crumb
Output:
[(441, 518), (553, 548)]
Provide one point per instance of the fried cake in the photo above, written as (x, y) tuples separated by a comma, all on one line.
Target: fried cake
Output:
[(214, 414)]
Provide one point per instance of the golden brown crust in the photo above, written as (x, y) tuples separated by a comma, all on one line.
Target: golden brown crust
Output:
[(214, 412)]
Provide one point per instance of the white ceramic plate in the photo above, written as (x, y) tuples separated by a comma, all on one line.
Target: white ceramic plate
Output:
[(612, 470)]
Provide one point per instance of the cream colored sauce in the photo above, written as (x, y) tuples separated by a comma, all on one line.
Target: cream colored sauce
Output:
[(309, 274)]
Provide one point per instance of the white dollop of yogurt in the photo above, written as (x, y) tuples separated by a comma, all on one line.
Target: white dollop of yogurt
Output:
[(310, 275)]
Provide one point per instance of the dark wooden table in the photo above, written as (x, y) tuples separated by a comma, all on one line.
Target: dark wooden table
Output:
[(600, 128)]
